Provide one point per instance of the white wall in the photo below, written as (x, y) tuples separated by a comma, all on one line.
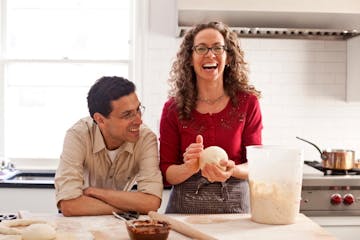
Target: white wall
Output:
[(303, 84)]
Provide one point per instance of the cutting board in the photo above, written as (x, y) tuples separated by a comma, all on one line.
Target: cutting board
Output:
[(240, 226), (221, 226)]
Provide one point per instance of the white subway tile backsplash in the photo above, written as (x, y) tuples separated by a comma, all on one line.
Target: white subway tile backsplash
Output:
[(333, 56), (335, 45), (267, 66), (257, 55), (327, 78), (291, 45), (292, 56), (330, 67), (248, 44)]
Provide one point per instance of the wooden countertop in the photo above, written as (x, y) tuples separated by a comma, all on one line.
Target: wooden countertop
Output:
[(221, 226)]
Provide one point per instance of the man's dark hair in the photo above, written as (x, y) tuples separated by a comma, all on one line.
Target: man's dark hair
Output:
[(105, 90)]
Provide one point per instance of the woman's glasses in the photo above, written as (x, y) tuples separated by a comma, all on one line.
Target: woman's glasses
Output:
[(202, 49)]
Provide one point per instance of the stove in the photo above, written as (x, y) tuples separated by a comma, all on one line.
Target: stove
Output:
[(335, 172), (327, 192)]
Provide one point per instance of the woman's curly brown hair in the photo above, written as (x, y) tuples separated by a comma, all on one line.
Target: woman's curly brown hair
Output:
[(183, 79)]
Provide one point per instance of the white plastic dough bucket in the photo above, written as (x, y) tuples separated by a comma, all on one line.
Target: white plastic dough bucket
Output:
[(275, 179)]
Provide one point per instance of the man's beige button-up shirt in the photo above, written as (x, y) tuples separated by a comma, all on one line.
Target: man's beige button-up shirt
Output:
[(84, 162)]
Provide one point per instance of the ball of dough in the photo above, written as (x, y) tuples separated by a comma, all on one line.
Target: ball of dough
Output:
[(39, 231), (212, 155)]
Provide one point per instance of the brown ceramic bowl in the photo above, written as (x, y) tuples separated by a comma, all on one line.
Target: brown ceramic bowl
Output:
[(147, 229)]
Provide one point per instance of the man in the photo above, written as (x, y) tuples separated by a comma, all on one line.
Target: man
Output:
[(103, 156)]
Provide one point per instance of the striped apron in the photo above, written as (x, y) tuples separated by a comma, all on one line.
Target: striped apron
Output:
[(198, 196)]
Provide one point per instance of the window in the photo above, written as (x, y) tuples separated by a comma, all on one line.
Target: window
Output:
[(52, 51)]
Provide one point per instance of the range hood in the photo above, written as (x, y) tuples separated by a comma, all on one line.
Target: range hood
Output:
[(327, 20)]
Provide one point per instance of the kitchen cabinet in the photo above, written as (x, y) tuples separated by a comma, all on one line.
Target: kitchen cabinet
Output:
[(32, 199), (353, 70)]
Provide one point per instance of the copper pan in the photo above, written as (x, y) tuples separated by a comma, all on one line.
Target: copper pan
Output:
[(337, 159)]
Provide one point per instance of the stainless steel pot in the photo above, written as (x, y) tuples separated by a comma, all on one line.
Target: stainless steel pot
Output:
[(338, 159)]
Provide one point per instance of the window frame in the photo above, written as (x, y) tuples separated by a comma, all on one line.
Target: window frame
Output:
[(137, 14)]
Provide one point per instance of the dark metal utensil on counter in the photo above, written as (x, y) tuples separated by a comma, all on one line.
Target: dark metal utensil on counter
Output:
[(122, 216), (127, 215), (7, 217)]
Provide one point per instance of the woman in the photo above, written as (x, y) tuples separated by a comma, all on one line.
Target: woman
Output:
[(211, 103)]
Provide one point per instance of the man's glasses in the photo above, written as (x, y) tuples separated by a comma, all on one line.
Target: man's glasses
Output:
[(202, 49), (131, 114)]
